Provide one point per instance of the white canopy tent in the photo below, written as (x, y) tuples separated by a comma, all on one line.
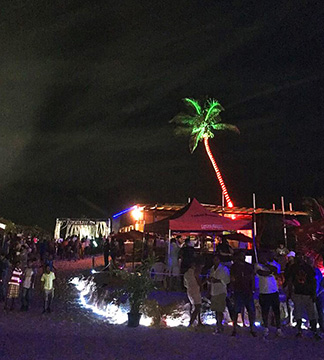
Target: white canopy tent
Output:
[(82, 227)]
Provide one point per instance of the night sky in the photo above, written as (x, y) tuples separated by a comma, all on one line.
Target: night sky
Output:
[(87, 89)]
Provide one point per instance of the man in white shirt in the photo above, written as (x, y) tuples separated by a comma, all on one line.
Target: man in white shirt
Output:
[(268, 290), (219, 278)]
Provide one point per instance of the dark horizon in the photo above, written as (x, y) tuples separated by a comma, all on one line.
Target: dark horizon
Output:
[(88, 90)]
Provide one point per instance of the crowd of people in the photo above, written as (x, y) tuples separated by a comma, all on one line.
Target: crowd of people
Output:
[(22, 258), (231, 282), (279, 279), (236, 284)]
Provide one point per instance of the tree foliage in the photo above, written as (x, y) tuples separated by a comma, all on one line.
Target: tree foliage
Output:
[(136, 285), (201, 121)]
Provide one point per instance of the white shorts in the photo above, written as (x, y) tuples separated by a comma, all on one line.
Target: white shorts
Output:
[(194, 297)]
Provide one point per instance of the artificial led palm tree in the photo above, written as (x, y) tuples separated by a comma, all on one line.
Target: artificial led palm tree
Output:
[(201, 124)]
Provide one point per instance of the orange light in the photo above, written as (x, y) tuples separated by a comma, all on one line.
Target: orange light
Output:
[(137, 213)]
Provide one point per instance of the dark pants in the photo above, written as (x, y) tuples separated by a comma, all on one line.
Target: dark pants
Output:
[(3, 286), (106, 258), (2, 291), (230, 306), (268, 301), (25, 298), (242, 300)]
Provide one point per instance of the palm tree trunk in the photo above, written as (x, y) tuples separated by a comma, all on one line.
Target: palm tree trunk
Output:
[(218, 173)]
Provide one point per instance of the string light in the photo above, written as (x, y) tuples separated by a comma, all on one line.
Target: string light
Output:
[(218, 173)]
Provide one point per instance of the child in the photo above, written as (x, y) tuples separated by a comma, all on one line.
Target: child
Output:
[(28, 284), (47, 279), (14, 284)]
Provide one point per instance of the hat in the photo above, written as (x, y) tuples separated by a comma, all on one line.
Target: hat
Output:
[(291, 254)]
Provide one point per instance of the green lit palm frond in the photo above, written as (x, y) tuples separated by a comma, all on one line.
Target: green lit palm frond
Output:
[(212, 110), (193, 143), (223, 126), (182, 131), (205, 120), (184, 119), (193, 103)]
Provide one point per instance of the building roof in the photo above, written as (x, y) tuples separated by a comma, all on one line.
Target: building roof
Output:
[(219, 209), (196, 217)]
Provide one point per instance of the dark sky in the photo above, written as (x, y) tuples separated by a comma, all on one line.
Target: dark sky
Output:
[(87, 89)]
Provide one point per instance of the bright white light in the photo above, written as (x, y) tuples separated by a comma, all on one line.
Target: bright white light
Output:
[(303, 326), (113, 313), (146, 321), (181, 318), (118, 314), (208, 318), (93, 271), (257, 323), (3, 226), (95, 243), (75, 281), (210, 321)]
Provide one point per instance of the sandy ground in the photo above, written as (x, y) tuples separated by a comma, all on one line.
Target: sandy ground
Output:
[(71, 332)]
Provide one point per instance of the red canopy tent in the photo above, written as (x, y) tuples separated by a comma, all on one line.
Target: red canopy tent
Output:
[(194, 217)]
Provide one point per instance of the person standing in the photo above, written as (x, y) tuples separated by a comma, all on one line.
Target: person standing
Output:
[(106, 251), (87, 246), (158, 272), (243, 284), (82, 248), (24, 256), (319, 292), (47, 279), (289, 303), (282, 250), (4, 268), (282, 253), (219, 278), (50, 262), (225, 251), (302, 287), (192, 283), (28, 285), (174, 269), (13, 286), (113, 250), (268, 293), (186, 255)]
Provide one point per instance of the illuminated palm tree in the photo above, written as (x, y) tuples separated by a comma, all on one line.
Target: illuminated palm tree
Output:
[(200, 124)]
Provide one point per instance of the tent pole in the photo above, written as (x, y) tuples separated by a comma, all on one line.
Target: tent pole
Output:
[(254, 228), (223, 203), (283, 218), (169, 251)]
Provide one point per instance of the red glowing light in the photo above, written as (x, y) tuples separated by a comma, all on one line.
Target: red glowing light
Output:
[(218, 173)]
